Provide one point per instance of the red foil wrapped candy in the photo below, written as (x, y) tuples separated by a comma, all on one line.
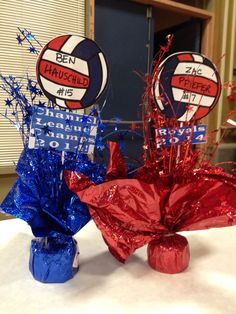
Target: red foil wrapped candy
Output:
[(169, 254)]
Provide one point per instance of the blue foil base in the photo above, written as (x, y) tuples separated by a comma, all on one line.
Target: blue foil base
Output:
[(51, 259)]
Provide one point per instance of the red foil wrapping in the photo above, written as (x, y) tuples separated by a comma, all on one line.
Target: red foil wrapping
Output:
[(126, 211), (116, 168), (169, 254), (132, 212)]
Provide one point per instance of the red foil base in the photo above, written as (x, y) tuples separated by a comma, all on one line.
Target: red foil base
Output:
[(169, 254)]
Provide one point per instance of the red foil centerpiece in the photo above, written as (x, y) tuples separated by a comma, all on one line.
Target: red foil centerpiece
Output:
[(177, 189), (133, 212)]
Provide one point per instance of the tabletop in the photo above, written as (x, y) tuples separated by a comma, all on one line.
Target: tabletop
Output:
[(104, 285)]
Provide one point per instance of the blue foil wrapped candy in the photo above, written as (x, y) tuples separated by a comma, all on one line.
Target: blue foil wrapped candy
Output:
[(52, 259)]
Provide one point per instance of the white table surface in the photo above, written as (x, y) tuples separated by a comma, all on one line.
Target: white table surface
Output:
[(103, 285)]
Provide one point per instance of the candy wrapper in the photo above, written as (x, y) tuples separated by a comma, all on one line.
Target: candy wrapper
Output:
[(169, 254), (53, 260)]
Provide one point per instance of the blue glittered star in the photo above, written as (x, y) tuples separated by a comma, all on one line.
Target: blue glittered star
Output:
[(8, 102), (19, 39), (100, 145), (33, 89), (93, 111), (41, 104), (46, 129), (85, 119), (32, 50), (29, 36)]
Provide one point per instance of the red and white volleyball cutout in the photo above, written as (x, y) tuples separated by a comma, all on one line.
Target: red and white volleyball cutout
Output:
[(187, 86), (72, 71)]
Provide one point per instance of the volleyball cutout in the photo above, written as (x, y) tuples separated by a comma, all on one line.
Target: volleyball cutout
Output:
[(72, 71), (187, 86)]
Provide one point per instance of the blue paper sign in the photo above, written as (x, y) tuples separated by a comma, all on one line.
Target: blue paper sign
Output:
[(173, 136), (62, 130)]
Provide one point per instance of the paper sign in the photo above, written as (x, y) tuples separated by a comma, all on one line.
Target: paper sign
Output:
[(62, 130), (174, 136)]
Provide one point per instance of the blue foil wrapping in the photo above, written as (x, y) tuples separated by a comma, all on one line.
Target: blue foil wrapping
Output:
[(41, 197), (51, 259)]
